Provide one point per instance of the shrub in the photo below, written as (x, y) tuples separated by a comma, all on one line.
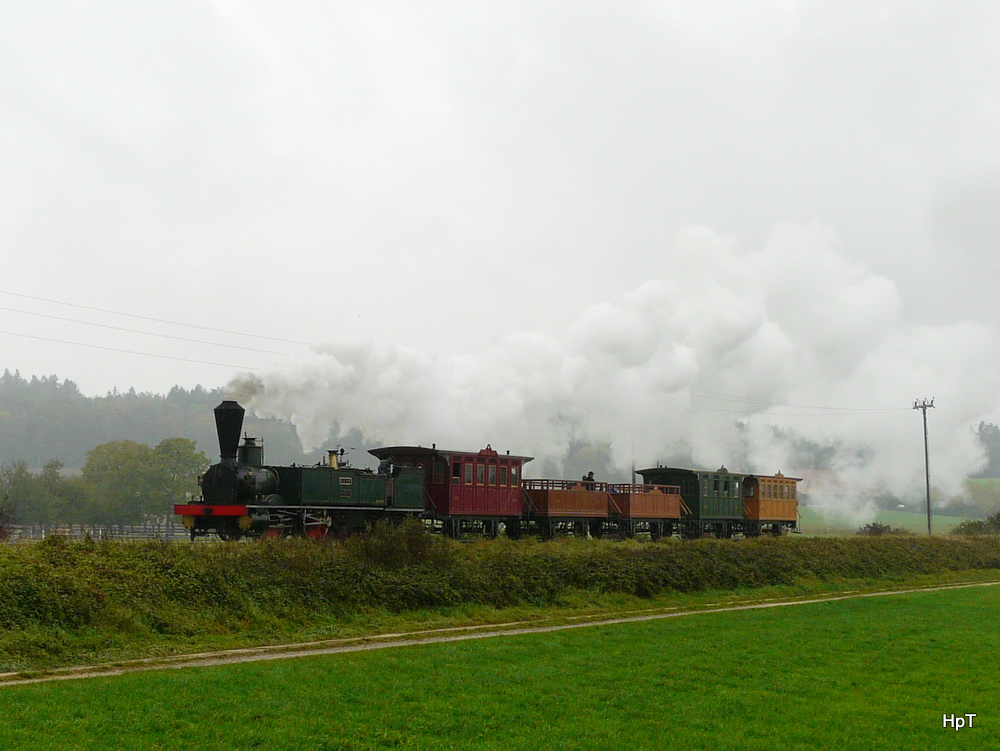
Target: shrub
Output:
[(393, 545), (989, 526), (878, 529), (6, 517)]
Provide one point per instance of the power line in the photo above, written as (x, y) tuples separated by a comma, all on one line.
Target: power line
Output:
[(137, 331), (962, 418), (789, 414), (148, 318), (762, 402), (129, 351)]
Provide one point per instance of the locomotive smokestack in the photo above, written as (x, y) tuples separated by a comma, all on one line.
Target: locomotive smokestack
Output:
[(228, 423)]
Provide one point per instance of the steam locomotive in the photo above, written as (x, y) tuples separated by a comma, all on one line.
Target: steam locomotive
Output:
[(463, 492)]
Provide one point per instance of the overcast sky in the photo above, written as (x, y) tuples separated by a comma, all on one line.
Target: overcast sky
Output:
[(788, 202)]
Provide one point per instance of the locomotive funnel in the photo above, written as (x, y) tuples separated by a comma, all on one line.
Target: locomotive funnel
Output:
[(228, 423)]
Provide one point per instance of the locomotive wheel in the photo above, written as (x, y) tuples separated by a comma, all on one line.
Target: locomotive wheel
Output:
[(274, 533), (229, 532), (317, 531)]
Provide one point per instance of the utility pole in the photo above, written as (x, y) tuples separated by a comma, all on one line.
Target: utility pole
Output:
[(923, 407)]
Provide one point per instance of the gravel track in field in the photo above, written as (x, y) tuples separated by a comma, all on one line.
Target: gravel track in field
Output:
[(434, 636)]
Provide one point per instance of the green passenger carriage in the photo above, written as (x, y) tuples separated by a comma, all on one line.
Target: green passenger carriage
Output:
[(713, 501)]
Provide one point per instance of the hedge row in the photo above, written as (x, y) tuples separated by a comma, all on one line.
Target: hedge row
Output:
[(183, 589)]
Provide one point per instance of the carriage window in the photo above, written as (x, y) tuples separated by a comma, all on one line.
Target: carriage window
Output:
[(503, 476), (468, 474), (725, 486), (480, 474), (456, 473), (715, 486), (793, 491), (493, 474), (514, 471)]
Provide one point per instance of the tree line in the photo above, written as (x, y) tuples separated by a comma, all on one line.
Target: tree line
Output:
[(43, 419), (121, 483)]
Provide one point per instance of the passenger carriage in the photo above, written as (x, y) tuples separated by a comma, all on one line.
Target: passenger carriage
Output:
[(466, 491)]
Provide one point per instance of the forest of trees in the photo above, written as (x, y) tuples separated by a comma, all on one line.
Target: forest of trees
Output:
[(123, 458)]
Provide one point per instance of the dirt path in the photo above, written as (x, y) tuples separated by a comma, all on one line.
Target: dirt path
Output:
[(435, 636)]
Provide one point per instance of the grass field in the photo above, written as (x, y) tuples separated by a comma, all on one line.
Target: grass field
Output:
[(868, 673), (814, 523)]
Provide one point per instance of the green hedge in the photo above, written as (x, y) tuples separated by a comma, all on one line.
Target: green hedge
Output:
[(182, 588)]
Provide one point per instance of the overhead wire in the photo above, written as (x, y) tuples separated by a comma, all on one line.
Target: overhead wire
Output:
[(138, 331), (128, 351), (949, 415), (150, 318), (825, 411), (763, 402)]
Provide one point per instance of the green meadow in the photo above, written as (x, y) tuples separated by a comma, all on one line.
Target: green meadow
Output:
[(866, 673), (815, 523)]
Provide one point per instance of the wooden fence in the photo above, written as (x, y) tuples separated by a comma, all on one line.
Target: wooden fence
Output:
[(167, 529)]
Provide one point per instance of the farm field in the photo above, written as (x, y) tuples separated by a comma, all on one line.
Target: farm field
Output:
[(814, 523), (866, 673)]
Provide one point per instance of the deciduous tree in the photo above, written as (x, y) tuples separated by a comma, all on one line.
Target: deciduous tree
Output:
[(128, 481)]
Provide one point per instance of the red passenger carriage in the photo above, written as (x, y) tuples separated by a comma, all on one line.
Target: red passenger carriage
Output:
[(466, 491)]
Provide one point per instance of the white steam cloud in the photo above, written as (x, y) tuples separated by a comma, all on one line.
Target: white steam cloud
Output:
[(719, 347)]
